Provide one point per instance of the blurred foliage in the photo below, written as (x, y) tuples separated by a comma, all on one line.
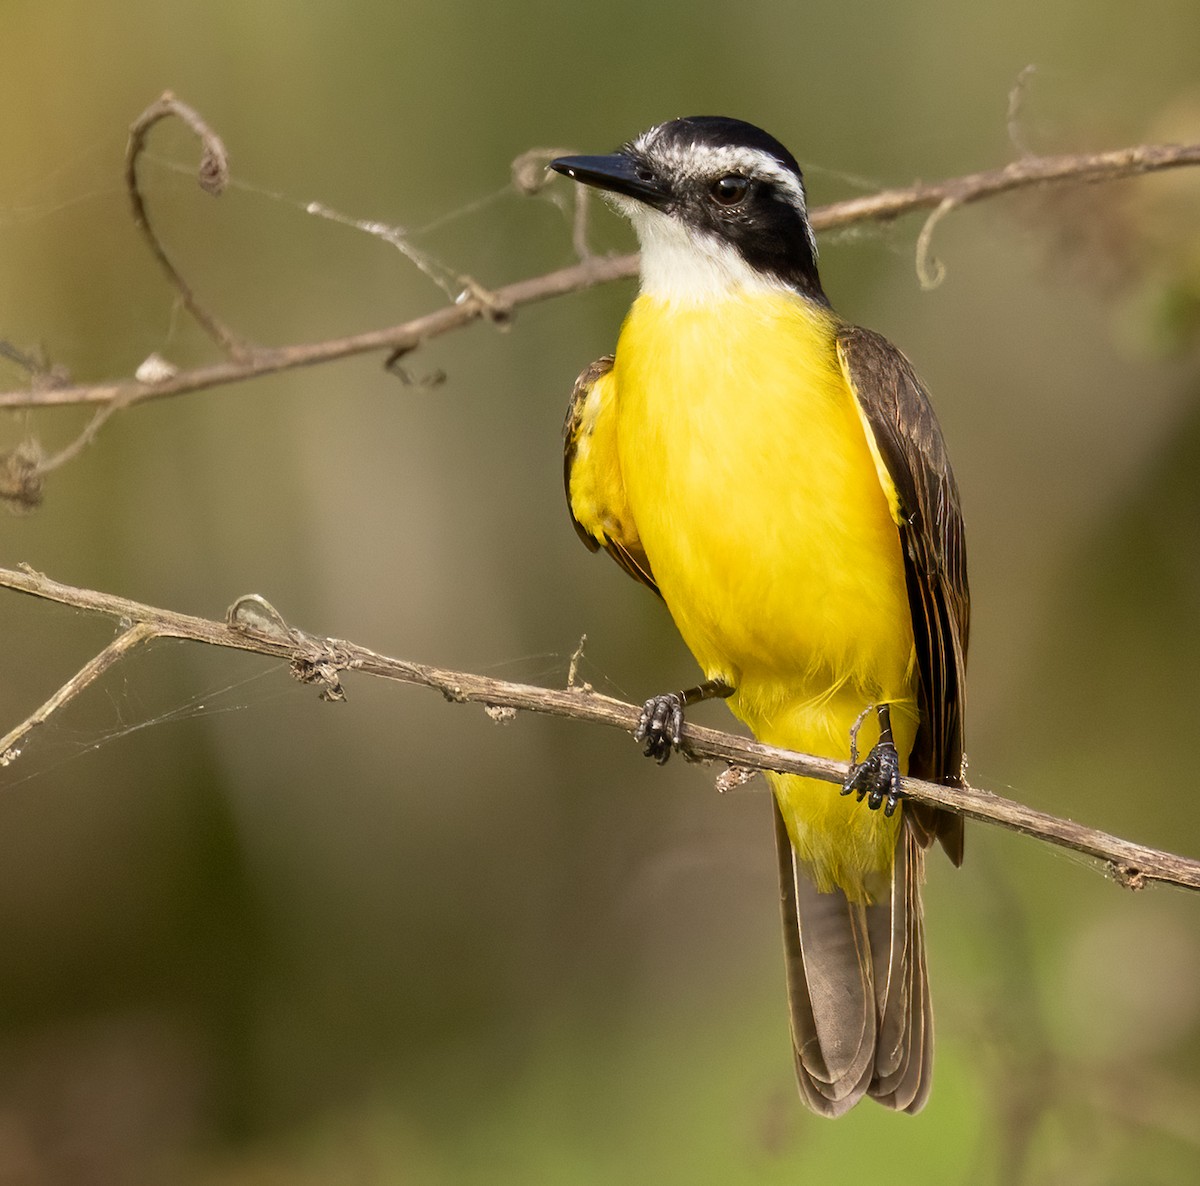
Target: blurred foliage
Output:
[(253, 938)]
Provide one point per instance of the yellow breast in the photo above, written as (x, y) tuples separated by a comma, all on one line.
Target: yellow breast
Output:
[(748, 471)]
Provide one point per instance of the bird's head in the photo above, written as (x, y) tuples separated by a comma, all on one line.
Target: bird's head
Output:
[(718, 206)]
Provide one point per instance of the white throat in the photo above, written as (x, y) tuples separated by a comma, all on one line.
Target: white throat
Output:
[(681, 265)]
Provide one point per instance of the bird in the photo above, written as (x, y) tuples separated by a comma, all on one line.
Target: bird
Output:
[(777, 476)]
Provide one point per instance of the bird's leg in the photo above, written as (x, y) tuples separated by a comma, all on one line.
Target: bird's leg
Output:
[(877, 777), (858, 724), (660, 727)]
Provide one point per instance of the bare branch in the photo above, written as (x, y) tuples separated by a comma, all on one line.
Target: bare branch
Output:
[(404, 338), (881, 207), (252, 624), (1082, 168)]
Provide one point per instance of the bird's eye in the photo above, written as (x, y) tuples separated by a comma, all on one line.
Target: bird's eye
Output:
[(729, 190)]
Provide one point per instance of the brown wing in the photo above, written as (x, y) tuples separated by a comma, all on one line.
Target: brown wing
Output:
[(909, 440), (592, 474)]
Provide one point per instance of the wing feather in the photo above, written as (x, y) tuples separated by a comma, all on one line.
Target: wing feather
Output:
[(908, 440), (592, 474)]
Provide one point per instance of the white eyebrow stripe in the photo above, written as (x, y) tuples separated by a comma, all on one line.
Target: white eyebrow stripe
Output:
[(692, 160)]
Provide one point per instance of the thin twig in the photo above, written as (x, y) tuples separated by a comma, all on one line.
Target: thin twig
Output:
[(1016, 101), (931, 271), (213, 176), (531, 176), (254, 625), (72, 450), (14, 739)]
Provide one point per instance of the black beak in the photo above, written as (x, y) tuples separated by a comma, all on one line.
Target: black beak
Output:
[(618, 173)]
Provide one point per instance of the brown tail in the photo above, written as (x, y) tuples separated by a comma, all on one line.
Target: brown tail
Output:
[(857, 987)]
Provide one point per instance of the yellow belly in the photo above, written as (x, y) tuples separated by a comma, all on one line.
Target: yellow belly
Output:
[(748, 473)]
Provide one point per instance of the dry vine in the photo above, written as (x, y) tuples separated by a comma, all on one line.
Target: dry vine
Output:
[(252, 624)]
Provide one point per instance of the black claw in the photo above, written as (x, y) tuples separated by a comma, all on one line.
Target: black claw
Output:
[(660, 727), (877, 779)]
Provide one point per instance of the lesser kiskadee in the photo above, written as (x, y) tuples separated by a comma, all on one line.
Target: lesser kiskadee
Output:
[(778, 477)]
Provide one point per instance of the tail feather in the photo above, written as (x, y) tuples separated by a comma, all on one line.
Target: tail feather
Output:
[(858, 992), (905, 1056), (830, 988), (891, 939)]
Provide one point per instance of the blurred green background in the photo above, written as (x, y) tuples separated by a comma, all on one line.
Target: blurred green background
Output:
[(250, 937)]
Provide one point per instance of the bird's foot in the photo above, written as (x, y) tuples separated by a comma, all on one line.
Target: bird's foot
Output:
[(660, 727), (877, 778)]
